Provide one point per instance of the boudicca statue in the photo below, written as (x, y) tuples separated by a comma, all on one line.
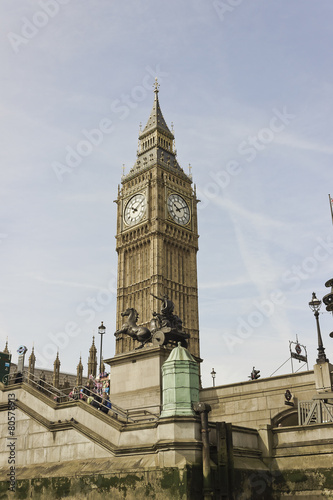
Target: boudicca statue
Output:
[(165, 327), (139, 333), (166, 318)]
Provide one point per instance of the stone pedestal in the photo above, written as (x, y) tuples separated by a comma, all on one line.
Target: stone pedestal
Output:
[(136, 377), (323, 377)]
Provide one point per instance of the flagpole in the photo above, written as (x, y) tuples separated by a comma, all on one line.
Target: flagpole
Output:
[(331, 203)]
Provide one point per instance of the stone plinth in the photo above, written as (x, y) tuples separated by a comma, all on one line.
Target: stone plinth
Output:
[(136, 377), (323, 377), (180, 383)]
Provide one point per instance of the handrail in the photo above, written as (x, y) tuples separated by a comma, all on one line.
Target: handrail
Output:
[(132, 415), (90, 393), (42, 385)]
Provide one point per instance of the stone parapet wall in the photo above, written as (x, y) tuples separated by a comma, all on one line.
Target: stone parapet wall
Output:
[(258, 402), (47, 432), (72, 449), (296, 447)]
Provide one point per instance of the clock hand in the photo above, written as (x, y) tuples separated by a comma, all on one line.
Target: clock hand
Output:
[(136, 209), (178, 209)]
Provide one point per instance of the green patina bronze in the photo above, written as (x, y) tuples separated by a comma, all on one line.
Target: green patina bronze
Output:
[(180, 383)]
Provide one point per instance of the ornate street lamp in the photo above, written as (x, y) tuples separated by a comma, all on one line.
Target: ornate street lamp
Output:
[(101, 331), (314, 305), (213, 374)]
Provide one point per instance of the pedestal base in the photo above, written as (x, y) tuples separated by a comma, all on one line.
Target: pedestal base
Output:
[(136, 377), (323, 377)]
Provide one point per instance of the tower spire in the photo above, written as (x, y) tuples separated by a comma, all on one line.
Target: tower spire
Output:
[(32, 362), (156, 119), (6, 347), (92, 360), (56, 371), (79, 371), (156, 144)]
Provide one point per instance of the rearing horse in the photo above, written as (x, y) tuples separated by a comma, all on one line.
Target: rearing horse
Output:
[(140, 333)]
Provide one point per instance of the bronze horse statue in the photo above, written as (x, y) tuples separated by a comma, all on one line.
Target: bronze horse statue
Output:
[(139, 333)]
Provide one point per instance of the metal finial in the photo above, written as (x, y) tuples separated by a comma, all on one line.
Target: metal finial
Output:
[(123, 168), (156, 86)]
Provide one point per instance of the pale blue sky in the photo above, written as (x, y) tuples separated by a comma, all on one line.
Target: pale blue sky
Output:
[(249, 89)]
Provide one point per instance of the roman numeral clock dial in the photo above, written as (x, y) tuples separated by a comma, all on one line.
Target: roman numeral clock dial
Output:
[(135, 209), (178, 209)]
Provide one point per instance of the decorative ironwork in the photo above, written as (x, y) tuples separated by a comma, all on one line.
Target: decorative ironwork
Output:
[(297, 351)]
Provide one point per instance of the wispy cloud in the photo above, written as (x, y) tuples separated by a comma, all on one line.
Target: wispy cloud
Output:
[(240, 281), (293, 141), (253, 219), (71, 284)]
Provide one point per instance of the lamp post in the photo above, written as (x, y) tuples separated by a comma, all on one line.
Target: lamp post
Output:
[(213, 374), (314, 305), (101, 331)]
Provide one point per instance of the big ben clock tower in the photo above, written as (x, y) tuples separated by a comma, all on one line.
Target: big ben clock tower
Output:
[(157, 235)]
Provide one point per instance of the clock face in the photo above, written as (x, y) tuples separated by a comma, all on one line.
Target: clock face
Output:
[(178, 209), (135, 209)]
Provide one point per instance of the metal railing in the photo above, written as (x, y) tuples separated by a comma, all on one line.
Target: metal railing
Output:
[(88, 396), (40, 384), (133, 415), (314, 412)]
